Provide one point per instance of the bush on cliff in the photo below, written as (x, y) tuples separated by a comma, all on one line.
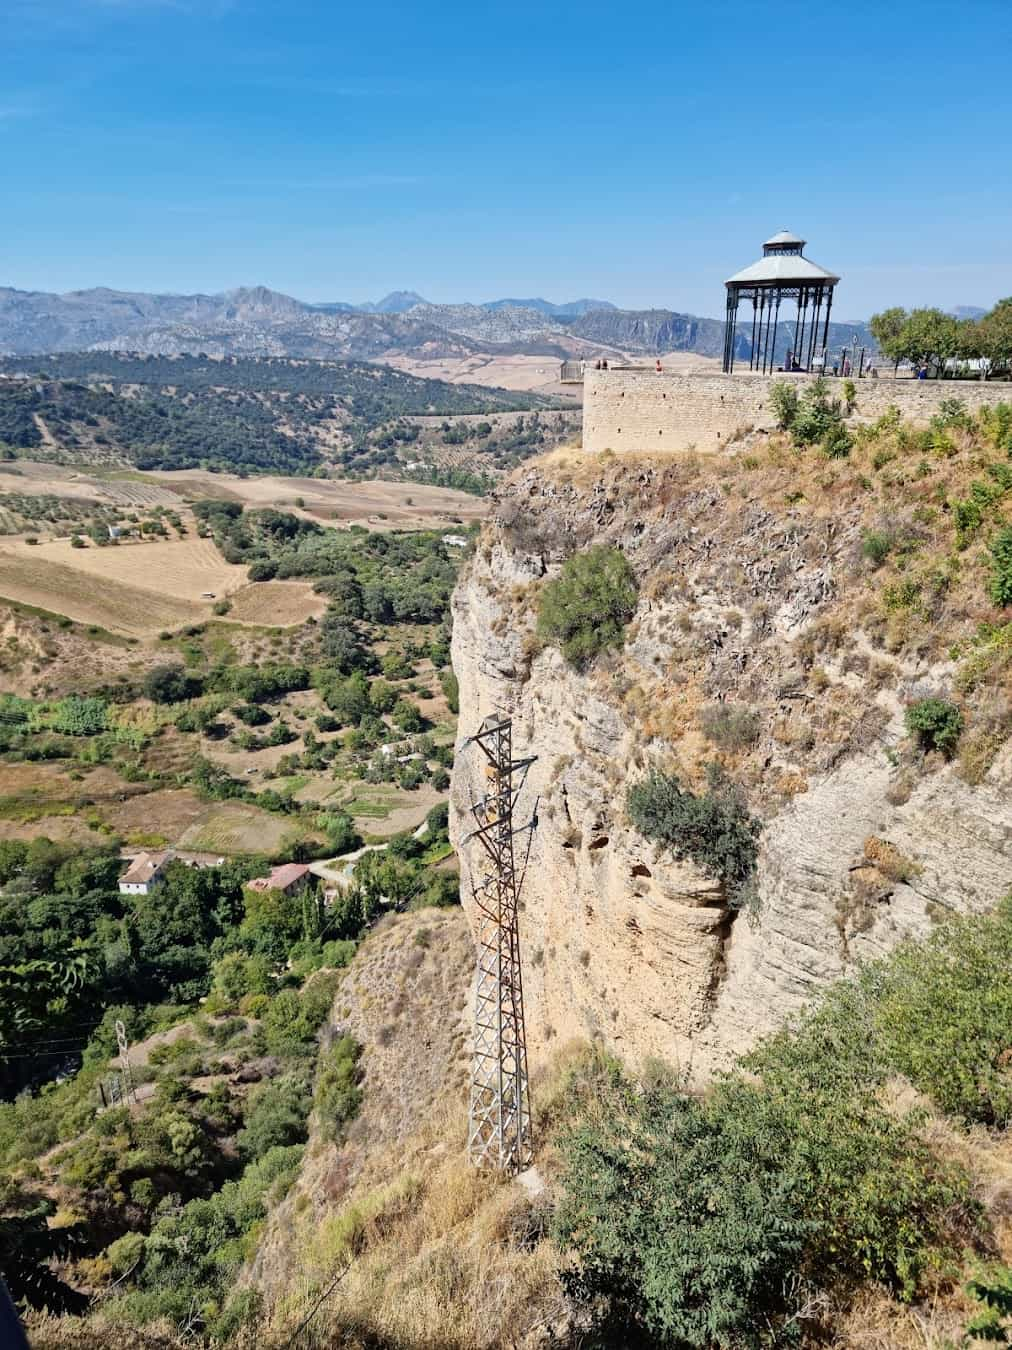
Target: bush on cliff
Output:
[(706, 1222), (1000, 586), (714, 829), (713, 1221), (813, 418), (587, 606), (936, 723)]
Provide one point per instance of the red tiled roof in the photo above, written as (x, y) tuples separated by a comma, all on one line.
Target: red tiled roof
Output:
[(280, 878)]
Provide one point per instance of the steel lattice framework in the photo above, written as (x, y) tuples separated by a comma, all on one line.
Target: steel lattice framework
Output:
[(499, 1132)]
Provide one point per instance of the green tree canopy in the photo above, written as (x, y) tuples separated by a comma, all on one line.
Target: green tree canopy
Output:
[(585, 609)]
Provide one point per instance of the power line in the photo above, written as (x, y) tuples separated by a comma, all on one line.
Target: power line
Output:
[(317, 1306)]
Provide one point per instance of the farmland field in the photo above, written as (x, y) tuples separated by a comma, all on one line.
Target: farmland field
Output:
[(280, 604), (382, 505), (237, 827), (136, 589)]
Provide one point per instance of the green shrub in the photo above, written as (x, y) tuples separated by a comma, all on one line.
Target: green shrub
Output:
[(969, 516), (937, 724), (784, 402), (451, 690), (169, 684), (714, 829), (731, 726), (125, 1252), (837, 443), (275, 1114), (338, 1095), (1000, 585), (701, 1221), (817, 416), (943, 1016), (993, 1289), (876, 545), (585, 609)]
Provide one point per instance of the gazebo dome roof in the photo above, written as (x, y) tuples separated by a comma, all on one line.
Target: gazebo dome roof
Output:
[(785, 268), (785, 239)]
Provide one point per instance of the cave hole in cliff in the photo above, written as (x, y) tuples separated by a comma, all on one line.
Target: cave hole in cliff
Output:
[(640, 870), (600, 842)]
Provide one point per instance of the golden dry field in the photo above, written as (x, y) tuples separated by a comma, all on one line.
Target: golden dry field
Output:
[(276, 604), (135, 589), (378, 504)]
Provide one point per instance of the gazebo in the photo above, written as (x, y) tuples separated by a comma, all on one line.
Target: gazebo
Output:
[(782, 273)]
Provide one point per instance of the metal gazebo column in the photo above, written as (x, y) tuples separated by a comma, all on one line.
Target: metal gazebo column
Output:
[(782, 273)]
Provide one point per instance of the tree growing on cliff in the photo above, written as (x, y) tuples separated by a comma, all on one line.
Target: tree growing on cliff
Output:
[(713, 829), (784, 402), (585, 609)]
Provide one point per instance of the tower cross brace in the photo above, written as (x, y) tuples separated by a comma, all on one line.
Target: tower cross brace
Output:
[(499, 1129)]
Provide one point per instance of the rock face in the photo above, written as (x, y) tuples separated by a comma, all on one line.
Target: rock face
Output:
[(864, 840)]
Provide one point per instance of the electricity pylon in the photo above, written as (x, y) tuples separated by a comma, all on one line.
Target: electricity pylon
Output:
[(124, 1059), (499, 1130)]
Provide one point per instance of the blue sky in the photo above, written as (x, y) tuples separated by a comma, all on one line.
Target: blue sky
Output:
[(639, 154)]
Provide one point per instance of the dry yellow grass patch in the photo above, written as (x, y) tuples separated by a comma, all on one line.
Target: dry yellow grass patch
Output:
[(135, 589), (437, 1253), (280, 604)]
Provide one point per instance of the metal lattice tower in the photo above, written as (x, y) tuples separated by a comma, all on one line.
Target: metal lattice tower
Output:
[(126, 1077), (499, 1132)]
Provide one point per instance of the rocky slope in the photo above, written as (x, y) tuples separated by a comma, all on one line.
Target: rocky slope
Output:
[(753, 591)]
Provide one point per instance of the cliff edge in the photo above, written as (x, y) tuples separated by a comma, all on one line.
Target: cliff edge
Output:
[(770, 637)]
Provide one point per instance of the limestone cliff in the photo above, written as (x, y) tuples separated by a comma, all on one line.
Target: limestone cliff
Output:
[(753, 591)]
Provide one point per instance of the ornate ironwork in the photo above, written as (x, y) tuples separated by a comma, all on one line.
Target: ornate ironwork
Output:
[(811, 289), (499, 1130)]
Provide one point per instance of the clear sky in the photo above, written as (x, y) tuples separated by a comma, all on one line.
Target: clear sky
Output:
[(637, 153)]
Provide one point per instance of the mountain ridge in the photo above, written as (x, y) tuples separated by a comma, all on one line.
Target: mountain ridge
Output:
[(258, 321)]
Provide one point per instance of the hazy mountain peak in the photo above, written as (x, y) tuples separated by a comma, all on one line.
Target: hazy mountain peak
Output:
[(397, 302), (572, 309)]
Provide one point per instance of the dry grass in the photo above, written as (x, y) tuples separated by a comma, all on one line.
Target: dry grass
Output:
[(115, 605), (276, 603), (382, 505), (439, 1255), (235, 827)]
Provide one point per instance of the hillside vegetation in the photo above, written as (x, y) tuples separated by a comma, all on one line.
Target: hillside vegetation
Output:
[(256, 416), (849, 1180), (922, 518)]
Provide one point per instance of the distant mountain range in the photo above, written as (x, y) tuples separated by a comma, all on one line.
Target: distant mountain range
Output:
[(256, 321)]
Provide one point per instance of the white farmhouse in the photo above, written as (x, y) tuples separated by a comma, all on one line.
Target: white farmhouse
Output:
[(144, 873)]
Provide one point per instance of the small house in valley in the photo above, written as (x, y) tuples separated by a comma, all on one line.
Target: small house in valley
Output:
[(144, 873), (289, 879)]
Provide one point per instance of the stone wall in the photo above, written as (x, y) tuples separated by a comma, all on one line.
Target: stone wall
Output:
[(635, 409)]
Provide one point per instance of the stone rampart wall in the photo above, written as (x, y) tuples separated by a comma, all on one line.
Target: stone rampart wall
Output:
[(635, 409)]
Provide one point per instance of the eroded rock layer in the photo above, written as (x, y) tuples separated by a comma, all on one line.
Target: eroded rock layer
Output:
[(751, 594)]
